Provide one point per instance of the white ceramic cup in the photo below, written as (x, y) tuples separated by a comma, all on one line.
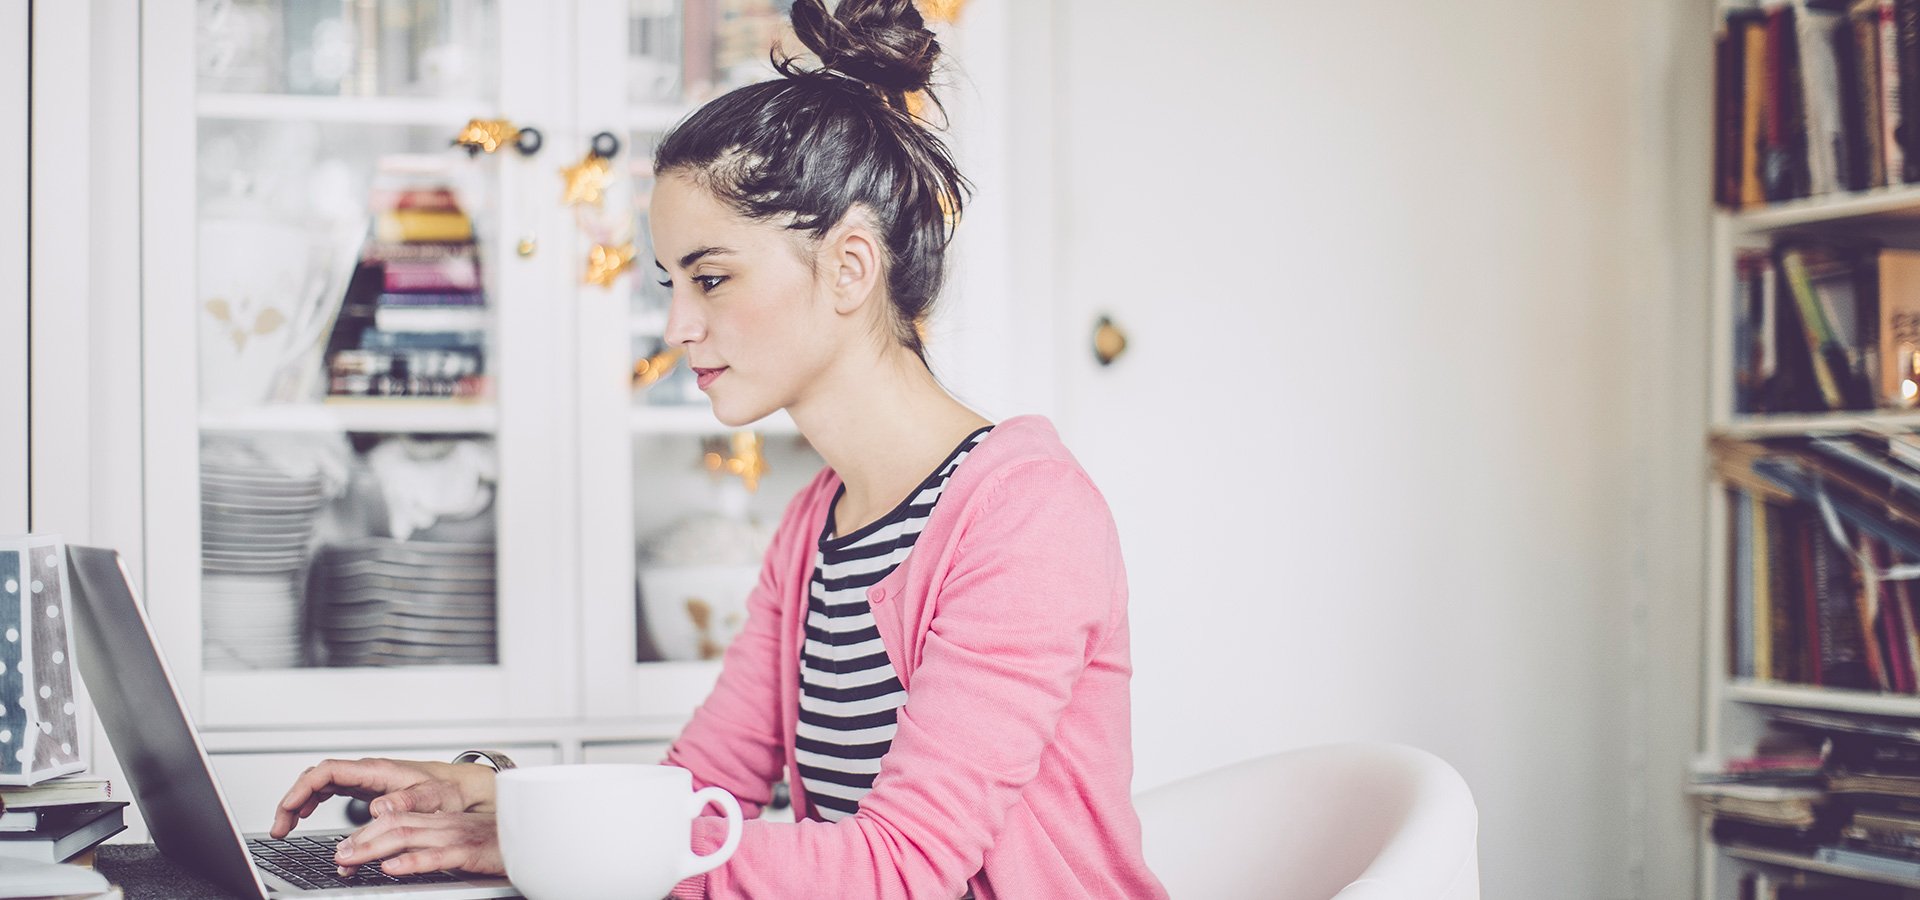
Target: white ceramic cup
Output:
[(605, 831)]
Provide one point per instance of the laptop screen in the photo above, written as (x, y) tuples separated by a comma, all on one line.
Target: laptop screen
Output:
[(147, 724)]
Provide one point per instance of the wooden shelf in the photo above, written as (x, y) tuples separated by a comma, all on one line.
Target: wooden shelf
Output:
[(424, 112), (1901, 202), (394, 416), (696, 419), (1808, 863), (1833, 699), (1787, 424)]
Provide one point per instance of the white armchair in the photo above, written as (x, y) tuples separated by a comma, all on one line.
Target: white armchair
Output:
[(1353, 821)]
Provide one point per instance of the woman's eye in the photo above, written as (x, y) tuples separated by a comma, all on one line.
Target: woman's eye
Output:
[(666, 283), (709, 282)]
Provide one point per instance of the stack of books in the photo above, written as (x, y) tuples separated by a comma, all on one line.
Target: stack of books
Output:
[(1814, 97), (1837, 788), (58, 821), (415, 321)]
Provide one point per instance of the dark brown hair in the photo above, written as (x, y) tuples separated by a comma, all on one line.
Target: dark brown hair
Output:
[(805, 148)]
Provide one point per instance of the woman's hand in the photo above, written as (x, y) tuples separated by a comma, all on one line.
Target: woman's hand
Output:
[(391, 786), (408, 843)]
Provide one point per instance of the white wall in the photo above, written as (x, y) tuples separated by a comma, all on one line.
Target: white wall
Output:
[(13, 268), (1374, 450)]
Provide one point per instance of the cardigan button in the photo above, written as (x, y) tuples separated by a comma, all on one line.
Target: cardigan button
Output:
[(877, 595)]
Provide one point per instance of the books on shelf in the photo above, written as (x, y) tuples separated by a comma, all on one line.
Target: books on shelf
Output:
[(1813, 321), (1823, 536), (415, 320), (1811, 97)]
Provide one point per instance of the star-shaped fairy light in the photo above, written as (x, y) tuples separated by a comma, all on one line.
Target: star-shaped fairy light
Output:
[(947, 11), (586, 180), (605, 262)]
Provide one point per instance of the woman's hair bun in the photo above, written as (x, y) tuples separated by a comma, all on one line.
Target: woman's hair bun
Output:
[(882, 42)]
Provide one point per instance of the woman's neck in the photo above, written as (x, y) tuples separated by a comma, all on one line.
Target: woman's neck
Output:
[(882, 426)]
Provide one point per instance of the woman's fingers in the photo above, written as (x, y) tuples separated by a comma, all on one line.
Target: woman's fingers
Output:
[(425, 797), (423, 842), (365, 778)]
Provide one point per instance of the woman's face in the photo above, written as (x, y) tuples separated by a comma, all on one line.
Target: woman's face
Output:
[(746, 306)]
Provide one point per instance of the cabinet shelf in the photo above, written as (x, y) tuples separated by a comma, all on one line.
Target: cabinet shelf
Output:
[(1834, 699), (1783, 425), (1902, 202), (395, 416), (1807, 863), (429, 112), (697, 419)]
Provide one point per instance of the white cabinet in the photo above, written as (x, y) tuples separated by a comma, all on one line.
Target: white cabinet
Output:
[(399, 466)]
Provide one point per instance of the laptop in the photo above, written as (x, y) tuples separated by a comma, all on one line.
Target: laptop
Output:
[(167, 767)]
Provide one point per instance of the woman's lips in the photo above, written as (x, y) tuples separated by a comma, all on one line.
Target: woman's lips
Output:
[(706, 376)]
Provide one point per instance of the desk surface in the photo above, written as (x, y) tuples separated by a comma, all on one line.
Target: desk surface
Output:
[(143, 874)]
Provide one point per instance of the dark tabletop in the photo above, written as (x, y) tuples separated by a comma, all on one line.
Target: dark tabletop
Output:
[(143, 874)]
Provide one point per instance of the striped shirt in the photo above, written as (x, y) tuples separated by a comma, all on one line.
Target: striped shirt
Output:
[(849, 691)]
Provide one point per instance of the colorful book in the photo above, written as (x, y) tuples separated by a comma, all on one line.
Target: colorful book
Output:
[(451, 275), (422, 226), (1819, 335), (1753, 119)]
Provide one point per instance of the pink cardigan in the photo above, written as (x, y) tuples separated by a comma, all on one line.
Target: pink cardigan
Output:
[(1010, 772)]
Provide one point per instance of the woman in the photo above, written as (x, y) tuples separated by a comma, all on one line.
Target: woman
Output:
[(937, 648)]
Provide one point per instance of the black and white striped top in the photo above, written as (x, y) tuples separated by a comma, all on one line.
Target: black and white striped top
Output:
[(849, 691)]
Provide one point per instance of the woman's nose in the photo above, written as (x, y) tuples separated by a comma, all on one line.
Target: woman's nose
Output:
[(683, 323)]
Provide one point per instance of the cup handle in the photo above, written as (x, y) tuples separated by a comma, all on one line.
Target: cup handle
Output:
[(696, 864)]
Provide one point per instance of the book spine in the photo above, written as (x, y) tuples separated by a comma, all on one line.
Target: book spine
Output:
[(1809, 583), (396, 318), (1753, 122), (1890, 88), (1907, 36), (1724, 182), (1844, 663), (1761, 587), (1740, 641), (421, 299), (1853, 100), (1774, 164), (1813, 325)]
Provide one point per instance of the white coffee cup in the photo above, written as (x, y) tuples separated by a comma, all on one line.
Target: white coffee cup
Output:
[(605, 831)]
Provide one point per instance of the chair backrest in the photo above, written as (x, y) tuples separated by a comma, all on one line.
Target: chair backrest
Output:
[(1357, 821)]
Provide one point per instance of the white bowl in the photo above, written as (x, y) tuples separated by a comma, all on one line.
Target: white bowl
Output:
[(694, 612)]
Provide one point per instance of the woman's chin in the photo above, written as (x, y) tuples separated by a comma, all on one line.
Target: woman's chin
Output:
[(737, 416)]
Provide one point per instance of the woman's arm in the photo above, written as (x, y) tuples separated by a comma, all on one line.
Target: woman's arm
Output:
[(1034, 590)]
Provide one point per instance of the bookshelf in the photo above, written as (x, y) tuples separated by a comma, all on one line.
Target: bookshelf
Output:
[(1772, 643)]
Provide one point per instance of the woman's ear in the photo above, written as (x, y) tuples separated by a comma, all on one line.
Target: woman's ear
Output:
[(853, 262)]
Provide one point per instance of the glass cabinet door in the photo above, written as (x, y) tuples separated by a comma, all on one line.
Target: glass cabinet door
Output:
[(357, 474), (678, 517)]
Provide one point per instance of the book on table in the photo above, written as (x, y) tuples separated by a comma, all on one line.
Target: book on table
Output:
[(64, 832)]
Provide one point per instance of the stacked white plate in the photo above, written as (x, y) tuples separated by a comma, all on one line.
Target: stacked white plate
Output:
[(408, 603), (256, 521), (251, 621)]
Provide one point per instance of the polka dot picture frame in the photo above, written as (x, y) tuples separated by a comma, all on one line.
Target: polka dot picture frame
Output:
[(40, 728)]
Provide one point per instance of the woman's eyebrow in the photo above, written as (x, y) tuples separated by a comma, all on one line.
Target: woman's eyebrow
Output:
[(694, 257)]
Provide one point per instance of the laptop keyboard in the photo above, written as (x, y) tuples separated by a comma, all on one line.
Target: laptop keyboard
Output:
[(306, 861)]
